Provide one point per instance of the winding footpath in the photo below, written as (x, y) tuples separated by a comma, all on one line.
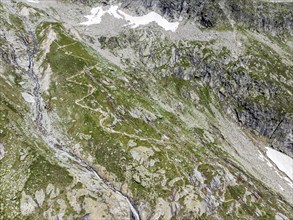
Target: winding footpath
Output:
[(71, 159), (105, 115)]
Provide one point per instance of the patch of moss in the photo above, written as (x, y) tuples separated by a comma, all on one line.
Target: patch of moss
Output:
[(207, 171), (17, 22), (236, 192), (43, 172)]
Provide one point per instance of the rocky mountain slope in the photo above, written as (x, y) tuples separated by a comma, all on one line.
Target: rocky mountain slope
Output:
[(146, 109)]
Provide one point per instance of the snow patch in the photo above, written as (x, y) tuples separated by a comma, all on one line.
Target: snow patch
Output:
[(135, 22), (33, 1), (282, 161), (132, 21), (95, 17), (27, 97), (114, 12)]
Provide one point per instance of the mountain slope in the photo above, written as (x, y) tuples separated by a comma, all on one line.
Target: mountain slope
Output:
[(110, 122)]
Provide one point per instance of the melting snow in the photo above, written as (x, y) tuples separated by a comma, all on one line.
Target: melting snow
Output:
[(132, 21), (282, 161), (95, 17), (114, 12), (135, 22), (33, 1)]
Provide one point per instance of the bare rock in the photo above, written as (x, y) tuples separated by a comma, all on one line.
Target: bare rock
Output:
[(27, 204), (141, 154), (2, 152), (40, 197)]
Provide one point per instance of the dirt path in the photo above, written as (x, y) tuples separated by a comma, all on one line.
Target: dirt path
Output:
[(106, 114)]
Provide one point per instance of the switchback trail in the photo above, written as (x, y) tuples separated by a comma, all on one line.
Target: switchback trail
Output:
[(72, 159)]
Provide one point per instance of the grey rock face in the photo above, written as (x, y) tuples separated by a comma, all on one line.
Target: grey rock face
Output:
[(241, 93), (263, 16)]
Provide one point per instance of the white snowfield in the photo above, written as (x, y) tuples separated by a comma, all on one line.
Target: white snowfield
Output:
[(33, 1), (132, 21), (282, 161)]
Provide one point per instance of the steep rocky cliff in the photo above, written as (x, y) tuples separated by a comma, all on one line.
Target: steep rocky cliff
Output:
[(169, 119)]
